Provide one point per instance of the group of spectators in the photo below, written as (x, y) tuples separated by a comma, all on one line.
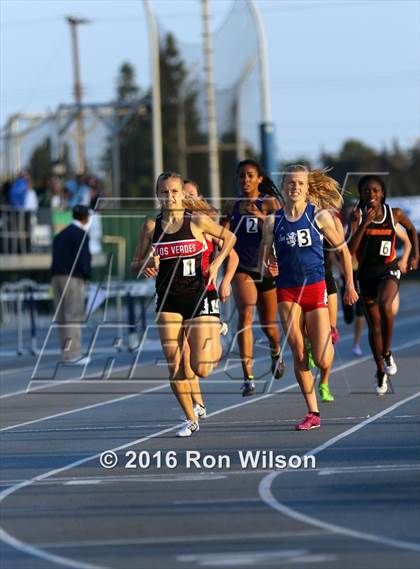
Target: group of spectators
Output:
[(58, 194)]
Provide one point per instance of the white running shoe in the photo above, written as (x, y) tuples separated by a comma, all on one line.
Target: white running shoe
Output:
[(199, 410), (224, 328), (357, 350), (188, 429), (381, 383), (390, 365)]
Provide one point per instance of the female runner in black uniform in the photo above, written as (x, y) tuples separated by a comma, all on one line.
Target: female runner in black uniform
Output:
[(373, 236), (245, 217), (186, 311)]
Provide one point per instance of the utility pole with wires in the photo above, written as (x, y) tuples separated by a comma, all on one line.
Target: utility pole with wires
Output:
[(80, 129), (211, 108)]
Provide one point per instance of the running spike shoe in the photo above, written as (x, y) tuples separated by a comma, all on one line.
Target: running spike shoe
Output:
[(277, 366), (381, 383), (199, 410), (188, 428), (311, 421), (357, 350), (325, 393), (248, 388), (224, 328), (335, 335), (390, 365)]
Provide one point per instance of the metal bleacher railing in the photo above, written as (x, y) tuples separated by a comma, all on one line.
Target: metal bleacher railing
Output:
[(19, 305)]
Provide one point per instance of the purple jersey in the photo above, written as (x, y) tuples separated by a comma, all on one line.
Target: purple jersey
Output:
[(248, 231)]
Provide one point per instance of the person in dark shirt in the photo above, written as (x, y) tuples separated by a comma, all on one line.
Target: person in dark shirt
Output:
[(71, 267)]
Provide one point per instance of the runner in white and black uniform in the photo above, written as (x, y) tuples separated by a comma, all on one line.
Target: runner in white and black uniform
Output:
[(373, 236)]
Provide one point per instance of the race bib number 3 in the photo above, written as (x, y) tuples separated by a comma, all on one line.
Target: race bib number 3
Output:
[(251, 225), (189, 267), (385, 249), (304, 238)]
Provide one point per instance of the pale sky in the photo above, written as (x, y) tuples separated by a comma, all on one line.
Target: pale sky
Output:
[(337, 69)]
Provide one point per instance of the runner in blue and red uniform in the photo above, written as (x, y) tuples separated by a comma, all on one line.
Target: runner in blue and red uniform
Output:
[(297, 232), (373, 236), (186, 310), (245, 217)]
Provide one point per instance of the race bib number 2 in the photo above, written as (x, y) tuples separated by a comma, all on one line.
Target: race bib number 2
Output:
[(251, 225), (385, 249)]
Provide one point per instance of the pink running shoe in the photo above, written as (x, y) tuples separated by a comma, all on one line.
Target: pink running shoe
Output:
[(335, 335), (311, 421)]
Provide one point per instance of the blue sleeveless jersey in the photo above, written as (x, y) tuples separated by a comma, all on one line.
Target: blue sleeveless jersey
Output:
[(248, 234), (299, 251)]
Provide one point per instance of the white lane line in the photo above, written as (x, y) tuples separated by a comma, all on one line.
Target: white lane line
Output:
[(49, 383), (268, 497), (81, 409), (243, 559), (41, 554), (398, 323), (183, 539), (362, 469)]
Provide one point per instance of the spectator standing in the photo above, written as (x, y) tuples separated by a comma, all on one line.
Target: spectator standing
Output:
[(71, 267)]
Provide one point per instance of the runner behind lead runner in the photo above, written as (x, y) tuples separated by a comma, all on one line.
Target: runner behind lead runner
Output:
[(297, 232), (186, 312), (373, 236), (245, 217)]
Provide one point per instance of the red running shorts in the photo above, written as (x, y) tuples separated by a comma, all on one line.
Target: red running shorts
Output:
[(309, 297)]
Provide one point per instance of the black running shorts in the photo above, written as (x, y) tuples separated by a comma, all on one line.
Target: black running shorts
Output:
[(262, 284), (206, 303), (369, 287)]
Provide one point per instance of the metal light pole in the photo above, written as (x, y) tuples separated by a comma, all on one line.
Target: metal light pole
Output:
[(211, 108), (156, 102), (80, 132), (267, 126)]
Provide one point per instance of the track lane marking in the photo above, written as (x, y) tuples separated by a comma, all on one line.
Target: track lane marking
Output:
[(268, 498), (60, 560)]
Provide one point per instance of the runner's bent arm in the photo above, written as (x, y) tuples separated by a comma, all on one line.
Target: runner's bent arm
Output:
[(231, 266), (358, 228), (400, 217), (143, 257), (266, 244), (336, 237), (402, 234), (207, 225)]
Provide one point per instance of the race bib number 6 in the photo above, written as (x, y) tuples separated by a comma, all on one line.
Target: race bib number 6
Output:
[(385, 249)]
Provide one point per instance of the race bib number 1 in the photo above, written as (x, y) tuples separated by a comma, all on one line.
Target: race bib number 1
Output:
[(189, 267), (385, 249)]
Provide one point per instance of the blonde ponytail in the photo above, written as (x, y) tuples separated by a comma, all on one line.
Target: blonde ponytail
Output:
[(324, 191), (200, 205)]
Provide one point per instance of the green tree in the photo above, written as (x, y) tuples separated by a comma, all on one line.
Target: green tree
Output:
[(40, 163), (135, 138)]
